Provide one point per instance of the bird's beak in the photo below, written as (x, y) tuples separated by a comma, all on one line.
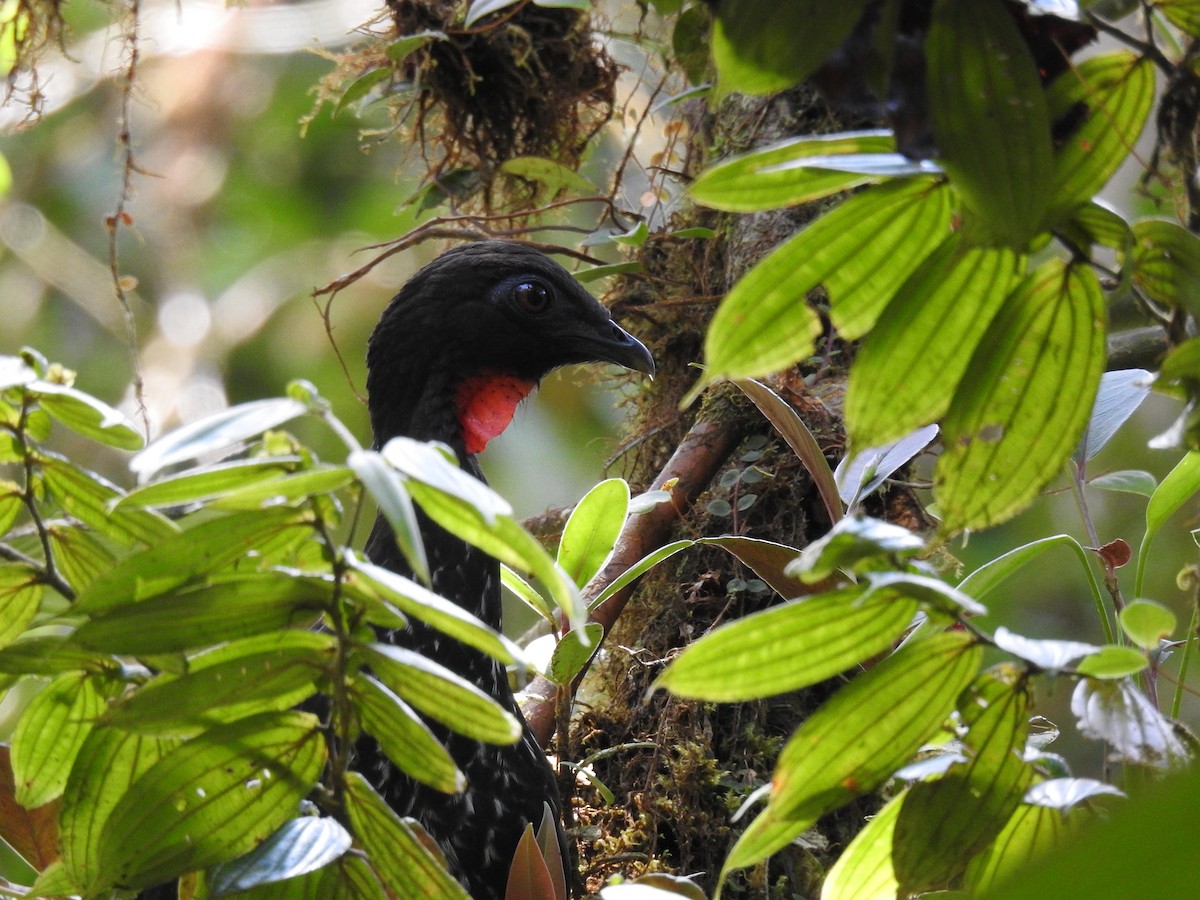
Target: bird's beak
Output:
[(620, 347)]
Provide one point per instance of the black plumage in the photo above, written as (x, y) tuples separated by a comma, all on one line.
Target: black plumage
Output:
[(451, 356)]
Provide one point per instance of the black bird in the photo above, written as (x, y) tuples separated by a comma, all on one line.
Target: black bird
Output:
[(455, 351)]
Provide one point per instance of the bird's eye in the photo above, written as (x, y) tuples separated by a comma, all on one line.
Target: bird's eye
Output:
[(531, 296)]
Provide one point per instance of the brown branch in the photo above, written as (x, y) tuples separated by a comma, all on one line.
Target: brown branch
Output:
[(687, 473)]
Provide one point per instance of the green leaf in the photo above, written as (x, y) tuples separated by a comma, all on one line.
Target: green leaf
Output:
[(213, 799), (798, 436), (850, 543), (81, 555), (387, 487), (233, 607), (204, 549), (429, 465), (994, 572), (789, 647), (109, 761), (1112, 662), (211, 434), (209, 482), (1128, 481), (864, 870), (1025, 399), (859, 737), (360, 87), (1147, 623), (400, 49), (274, 671), (298, 847), (441, 695), (398, 849), (402, 735), (788, 173), (523, 591), (90, 498), (573, 652), (946, 821), (587, 276), (1166, 264), (930, 592), (1183, 13), (1031, 835), (554, 176), (11, 504), (49, 734), (768, 560), (1180, 484), (638, 569), (754, 41), (912, 362), (86, 415), (50, 655), (990, 117), (21, 592), (1117, 92), (592, 529), (368, 581)]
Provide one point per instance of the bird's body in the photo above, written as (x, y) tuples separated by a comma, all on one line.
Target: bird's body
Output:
[(465, 339)]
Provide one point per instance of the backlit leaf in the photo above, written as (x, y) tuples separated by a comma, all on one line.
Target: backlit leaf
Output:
[(1147, 623), (592, 530), (49, 734), (86, 415), (1025, 399), (1180, 484), (864, 870)]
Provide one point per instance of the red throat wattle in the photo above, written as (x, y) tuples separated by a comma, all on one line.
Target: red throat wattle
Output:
[(486, 404)]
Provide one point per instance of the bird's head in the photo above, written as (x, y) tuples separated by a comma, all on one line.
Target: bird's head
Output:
[(473, 332)]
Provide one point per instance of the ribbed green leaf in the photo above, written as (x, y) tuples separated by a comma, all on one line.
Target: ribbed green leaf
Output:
[(592, 530), (859, 737), (755, 46), (52, 729), (367, 580), (90, 498), (788, 173), (1183, 13), (989, 116), (202, 550), (208, 482), (1030, 835), (11, 504), (864, 870), (1166, 264), (86, 415), (235, 607), (81, 555), (50, 655), (944, 822), (440, 694), (397, 848), (1117, 92), (386, 485), (21, 591), (300, 846), (219, 431), (788, 647), (913, 360), (274, 671), (405, 739), (1026, 398), (108, 763), (211, 800)]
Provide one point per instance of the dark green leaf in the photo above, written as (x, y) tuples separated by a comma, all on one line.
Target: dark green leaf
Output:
[(789, 647), (234, 607), (300, 846), (1025, 400), (360, 87), (755, 46), (212, 800), (989, 117), (398, 849), (402, 735), (914, 359), (785, 175)]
